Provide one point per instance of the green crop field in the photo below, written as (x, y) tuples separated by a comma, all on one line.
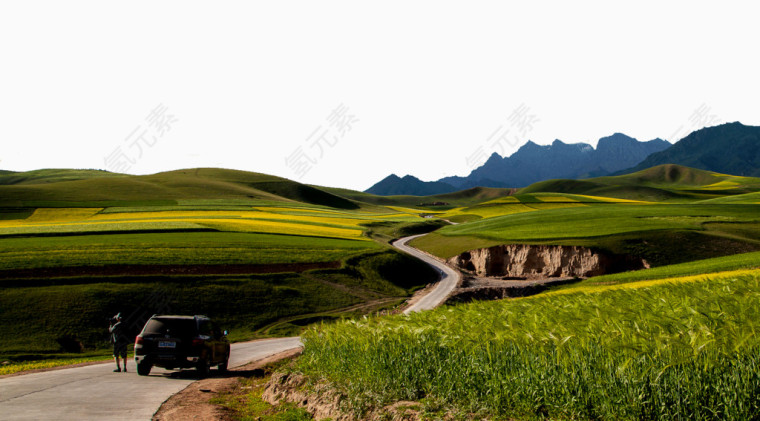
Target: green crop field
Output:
[(661, 233), (263, 255), (677, 349)]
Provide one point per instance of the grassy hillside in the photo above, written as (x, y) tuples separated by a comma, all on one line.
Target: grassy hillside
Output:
[(666, 214), (51, 176), (43, 318), (668, 182), (749, 198), (67, 188), (461, 198), (660, 233), (730, 148), (263, 255), (678, 349)]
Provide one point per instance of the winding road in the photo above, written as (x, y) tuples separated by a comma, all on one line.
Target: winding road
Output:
[(94, 392), (448, 281)]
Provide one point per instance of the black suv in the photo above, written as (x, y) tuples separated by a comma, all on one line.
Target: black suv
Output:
[(174, 342)]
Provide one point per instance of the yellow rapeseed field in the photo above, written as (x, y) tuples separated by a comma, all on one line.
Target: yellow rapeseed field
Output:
[(61, 214), (654, 282), (80, 219)]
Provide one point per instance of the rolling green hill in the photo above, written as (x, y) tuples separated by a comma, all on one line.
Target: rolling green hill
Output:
[(52, 176), (752, 198), (262, 254), (466, 197), (660, 233), (87, 188), (667, 182)]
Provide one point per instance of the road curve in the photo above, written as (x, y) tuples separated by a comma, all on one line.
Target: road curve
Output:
[(448, 281), (95, 392)]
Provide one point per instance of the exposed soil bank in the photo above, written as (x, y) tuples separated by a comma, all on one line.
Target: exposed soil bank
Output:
[(323, 401), (480, 289), (521, 261)]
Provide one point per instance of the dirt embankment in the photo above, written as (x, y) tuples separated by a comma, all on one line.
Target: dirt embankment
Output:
[(479, 289), (521, 261), (323, 401)]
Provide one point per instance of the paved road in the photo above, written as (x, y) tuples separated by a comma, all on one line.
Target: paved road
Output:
[(449, 277), (95, 392)]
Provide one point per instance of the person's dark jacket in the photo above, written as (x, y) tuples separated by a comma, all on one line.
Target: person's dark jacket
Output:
[(118, 335)]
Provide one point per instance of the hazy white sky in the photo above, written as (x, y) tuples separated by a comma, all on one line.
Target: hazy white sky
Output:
[(343, 93)]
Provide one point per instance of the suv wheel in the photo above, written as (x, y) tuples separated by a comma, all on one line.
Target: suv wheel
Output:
[(143, 369), (223, 366), (203, 368)]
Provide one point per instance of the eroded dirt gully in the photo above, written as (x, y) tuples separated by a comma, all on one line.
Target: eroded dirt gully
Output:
[(519, 270), (525, 262)]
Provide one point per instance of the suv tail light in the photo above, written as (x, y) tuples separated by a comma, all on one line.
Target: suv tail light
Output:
[(139, 340), (197, 342)]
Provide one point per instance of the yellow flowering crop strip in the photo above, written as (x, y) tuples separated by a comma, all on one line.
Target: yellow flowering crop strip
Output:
[(650, 283)]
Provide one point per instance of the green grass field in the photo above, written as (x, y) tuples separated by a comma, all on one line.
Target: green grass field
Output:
[(263, 255), (661, 233), (678, 349)]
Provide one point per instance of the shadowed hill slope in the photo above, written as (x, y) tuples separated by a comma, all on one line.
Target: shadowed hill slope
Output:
[(466, 197), (201, 183)]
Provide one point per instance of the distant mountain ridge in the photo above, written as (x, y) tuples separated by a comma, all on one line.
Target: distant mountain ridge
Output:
[(533, 163), (394, 185)]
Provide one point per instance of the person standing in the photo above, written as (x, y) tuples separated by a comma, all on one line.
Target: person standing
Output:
[(119, 340)]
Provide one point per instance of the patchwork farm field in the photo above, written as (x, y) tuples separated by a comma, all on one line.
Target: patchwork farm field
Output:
[(616, 227), (261, 263), (59, 237)]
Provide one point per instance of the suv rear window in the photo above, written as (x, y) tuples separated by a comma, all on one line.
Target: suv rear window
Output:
[(173, 327)]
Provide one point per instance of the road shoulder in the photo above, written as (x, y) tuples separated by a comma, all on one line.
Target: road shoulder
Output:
[(193, 402)]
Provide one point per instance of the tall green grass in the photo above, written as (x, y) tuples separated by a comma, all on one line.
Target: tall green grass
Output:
[(675, 350)]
